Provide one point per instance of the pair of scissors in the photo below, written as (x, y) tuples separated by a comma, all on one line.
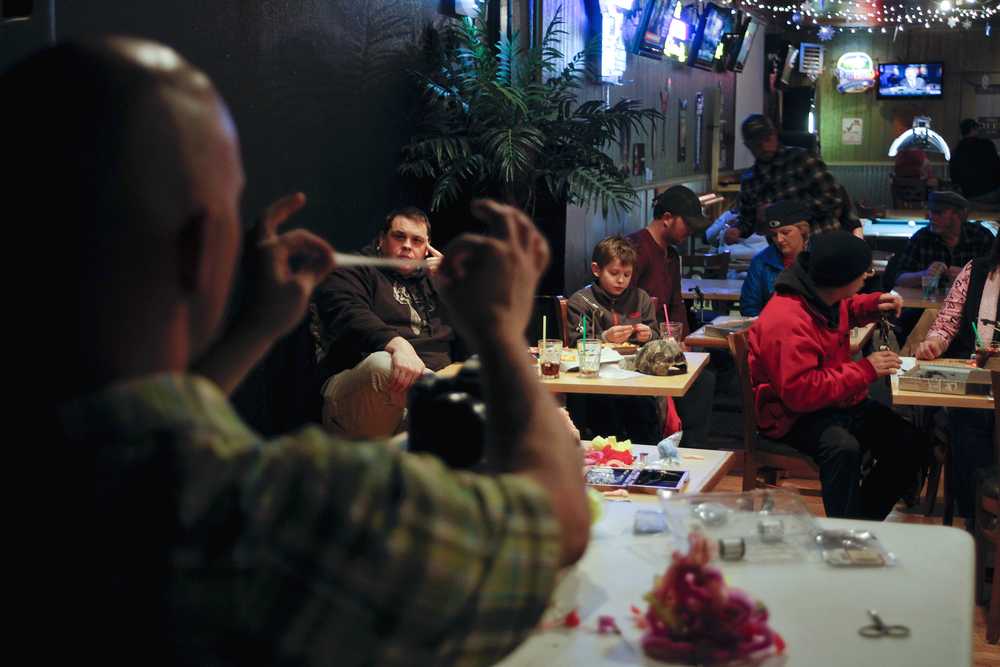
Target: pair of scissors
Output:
[(878, 628)]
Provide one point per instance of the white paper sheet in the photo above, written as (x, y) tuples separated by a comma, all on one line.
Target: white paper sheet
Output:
[(611, 372)]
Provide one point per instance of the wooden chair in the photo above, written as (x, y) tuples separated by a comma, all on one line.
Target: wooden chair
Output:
[(908, 192), (764, 461), (554, 309), (988, 525)]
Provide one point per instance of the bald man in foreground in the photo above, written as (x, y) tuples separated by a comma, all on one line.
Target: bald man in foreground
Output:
[(211, 546)]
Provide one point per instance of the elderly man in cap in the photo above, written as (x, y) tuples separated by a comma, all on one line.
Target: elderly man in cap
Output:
[(944, 246), (785, 173), (787, 226), (676, 215), (810, 393)]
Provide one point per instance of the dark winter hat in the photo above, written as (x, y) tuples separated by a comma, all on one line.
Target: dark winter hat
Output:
[(782, 213), (940, 200), (837, 258), (682, 201), (756, 127)]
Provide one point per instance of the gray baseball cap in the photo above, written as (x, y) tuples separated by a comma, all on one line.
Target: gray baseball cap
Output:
[(682, 201), (940, 200)]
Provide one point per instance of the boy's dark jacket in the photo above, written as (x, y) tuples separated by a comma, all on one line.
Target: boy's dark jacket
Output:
[(602, 310)]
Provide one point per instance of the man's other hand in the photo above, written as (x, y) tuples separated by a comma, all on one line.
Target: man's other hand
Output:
[(489, 283), (287, 268), (935, 269), (407, 366), (434, 257)]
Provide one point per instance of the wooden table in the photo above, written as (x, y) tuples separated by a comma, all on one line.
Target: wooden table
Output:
[(713, 289), (817, 608), (646, 385), (700, 339), (913, 297), (706, 468), (859, 338), (927, 399)]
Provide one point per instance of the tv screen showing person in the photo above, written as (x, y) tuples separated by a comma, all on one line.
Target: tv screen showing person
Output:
[(910, 80)]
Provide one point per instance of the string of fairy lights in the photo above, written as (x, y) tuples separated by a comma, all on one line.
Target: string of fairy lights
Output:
[(829, 17)]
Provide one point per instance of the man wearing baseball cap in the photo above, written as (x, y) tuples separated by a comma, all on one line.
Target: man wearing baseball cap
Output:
[(944, 246), (810, 394), (677, 214), (786, 173)]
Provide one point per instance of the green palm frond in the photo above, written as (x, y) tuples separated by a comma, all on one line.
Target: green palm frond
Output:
[(591, 188), (504, 120)]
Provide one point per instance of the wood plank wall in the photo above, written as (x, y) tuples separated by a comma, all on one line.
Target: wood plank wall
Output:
[(967, 55), (645, 79)]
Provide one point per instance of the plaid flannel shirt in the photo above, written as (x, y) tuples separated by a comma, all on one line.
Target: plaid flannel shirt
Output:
[(304, 550), (794, 174), (925, 247)]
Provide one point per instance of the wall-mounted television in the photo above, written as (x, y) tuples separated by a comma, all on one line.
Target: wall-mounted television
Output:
[(910, 80), (679, 35), (654, 28), (715, 22), (750, 29)]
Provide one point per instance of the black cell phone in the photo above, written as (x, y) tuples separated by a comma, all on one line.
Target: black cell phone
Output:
[(661, 479), (643, 481)]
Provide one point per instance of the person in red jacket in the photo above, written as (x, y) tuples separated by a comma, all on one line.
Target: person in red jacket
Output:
[(810, 393)]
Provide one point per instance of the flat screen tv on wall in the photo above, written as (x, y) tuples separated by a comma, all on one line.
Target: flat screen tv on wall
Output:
[(678, 37), (654, 28), (910, 80), (705, 47)]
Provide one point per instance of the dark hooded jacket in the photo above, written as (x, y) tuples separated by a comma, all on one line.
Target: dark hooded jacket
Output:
[(800, 351), (362, 308)]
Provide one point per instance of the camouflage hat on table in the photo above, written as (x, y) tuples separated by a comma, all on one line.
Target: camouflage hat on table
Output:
[(939, 200), (661, 357)]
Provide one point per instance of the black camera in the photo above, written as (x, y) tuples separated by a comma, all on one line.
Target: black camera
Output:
[(448, 417)]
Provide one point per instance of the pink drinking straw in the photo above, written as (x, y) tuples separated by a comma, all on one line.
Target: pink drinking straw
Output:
[(666, 317)]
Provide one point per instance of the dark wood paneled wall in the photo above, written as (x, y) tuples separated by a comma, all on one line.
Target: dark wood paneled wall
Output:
[(319, 89), (967, 54)]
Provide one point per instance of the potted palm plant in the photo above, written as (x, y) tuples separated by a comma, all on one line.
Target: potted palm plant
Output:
[(502, 120)]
